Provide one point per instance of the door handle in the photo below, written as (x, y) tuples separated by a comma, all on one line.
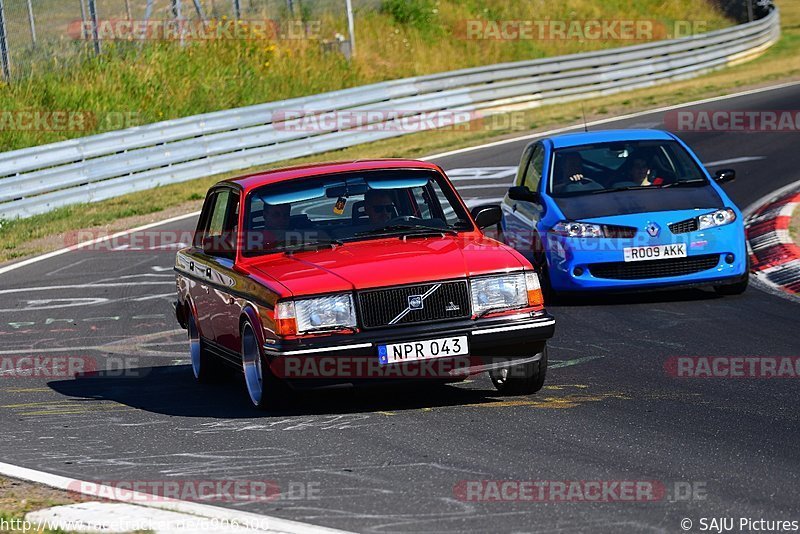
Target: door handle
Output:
[(230, 300)]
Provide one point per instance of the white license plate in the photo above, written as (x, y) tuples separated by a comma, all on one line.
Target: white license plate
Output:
[(422, 350), (655, 252)]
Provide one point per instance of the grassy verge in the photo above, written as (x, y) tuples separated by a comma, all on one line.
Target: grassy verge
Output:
[(31, 236), (17, 498), (130, 84)]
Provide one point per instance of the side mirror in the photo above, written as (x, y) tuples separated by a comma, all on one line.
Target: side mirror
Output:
[(219, 245), (487, 215), (522, 193), (724, 176)]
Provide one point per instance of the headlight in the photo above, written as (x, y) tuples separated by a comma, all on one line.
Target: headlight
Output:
[(334, 312), (509, 291), (718, 218), (577, 229)]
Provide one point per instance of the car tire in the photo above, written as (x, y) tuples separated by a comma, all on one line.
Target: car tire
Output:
[(734, 289), (522, 379), (205, 367), (263, 388)]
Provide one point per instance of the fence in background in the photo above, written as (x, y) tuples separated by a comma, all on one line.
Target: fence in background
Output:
[(38, 179), (35, 33)]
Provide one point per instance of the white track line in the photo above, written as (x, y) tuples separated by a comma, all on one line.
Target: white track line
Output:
[(59, 252), (49, 255), (272, 524), (608, 120)]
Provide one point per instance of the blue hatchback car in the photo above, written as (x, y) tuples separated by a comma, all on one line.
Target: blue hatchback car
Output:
[(624, 209)]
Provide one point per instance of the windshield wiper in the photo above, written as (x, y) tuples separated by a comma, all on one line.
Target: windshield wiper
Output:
[(684, 183), (303, 247), (626, 188), (416, 229)]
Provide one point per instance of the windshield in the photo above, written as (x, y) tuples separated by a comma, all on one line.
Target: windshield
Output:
[(326, 210), (619, 166)]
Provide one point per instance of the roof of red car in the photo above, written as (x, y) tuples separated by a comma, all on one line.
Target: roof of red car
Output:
[(301, 171)]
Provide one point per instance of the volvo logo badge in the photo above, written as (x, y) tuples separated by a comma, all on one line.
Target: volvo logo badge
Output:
[(653, 229), (452, 306), (415, 302)]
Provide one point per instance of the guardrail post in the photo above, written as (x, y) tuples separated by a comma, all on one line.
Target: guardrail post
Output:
[(31, 22), (237, 10), (351, 27), (4, 44), (83, 19), (95, 35)]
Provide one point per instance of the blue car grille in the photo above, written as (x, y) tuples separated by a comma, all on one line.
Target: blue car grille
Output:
[(639, 270), (684, 227)]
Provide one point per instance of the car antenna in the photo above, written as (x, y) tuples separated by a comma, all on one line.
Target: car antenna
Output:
[(585, 126)]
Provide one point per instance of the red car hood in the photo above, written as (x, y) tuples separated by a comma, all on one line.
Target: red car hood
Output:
[(386, 262)]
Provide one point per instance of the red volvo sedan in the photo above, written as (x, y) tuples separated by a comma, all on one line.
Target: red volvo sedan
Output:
[(356, 273)]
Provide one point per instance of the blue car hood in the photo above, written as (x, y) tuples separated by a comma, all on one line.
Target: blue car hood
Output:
[(638, 201)]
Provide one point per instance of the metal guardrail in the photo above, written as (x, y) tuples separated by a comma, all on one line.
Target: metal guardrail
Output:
[(38, 179)]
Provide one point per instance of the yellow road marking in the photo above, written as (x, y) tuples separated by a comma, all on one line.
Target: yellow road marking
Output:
[(569, 401)]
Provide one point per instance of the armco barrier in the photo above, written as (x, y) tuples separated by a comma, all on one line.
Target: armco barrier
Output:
[(39, 179)]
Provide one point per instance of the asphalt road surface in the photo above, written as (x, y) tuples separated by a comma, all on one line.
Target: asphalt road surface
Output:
[(393, 460)]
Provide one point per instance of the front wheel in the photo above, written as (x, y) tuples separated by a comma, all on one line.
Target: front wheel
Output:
[(734, 289), (523, 379), (263, 388)]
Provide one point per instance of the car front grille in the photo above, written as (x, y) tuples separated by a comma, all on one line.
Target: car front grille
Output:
[(683, 227), (621, 270), (621, 232), (391, 306)]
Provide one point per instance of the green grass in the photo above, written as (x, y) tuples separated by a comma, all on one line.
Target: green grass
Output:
[(162, 80)]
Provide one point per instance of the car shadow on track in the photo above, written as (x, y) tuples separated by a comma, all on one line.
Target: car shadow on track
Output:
[(171, 390), (658, 296)]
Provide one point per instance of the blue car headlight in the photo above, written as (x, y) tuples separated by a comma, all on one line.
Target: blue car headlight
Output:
[(717, 218), (577, 229)]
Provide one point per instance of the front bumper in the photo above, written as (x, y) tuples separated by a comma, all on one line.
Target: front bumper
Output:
[(353, 359), (571, 260)]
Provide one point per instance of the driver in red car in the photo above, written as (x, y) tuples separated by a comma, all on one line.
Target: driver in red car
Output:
[(379, 207)]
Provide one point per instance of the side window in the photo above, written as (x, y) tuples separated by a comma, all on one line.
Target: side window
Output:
[(216, 224), (523, 164), (443, 199), (219, 219), (533, 172)]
